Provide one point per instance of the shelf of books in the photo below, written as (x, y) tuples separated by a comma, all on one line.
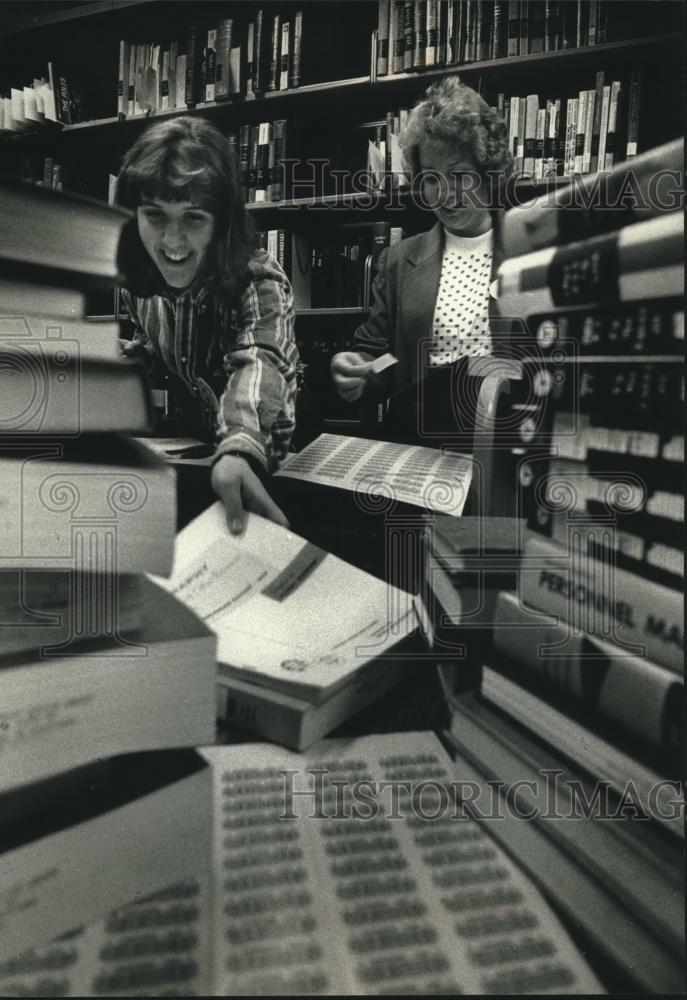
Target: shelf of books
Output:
[(579, 632)]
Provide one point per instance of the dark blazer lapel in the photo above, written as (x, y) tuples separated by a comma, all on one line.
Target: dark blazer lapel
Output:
[(419, 288)]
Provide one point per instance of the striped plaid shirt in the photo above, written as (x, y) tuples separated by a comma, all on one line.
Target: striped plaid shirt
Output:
[(239, 358)]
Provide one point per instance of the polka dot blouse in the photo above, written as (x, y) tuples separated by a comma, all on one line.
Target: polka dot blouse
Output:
[(461, 315)]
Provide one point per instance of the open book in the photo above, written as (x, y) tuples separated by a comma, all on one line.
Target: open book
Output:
[(375, 880), (286, 613)]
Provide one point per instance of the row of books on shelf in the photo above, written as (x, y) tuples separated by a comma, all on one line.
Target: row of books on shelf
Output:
[(576, 135), (44, 101), (423, 34), (330, 273), (211, 65)]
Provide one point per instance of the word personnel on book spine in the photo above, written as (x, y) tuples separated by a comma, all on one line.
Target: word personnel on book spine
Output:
[(425, 902), (98, 699), (600, 465)]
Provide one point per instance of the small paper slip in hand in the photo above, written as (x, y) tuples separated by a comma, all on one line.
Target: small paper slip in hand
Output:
[(382, 363)]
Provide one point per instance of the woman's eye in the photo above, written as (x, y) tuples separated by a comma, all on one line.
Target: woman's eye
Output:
[(196, 219), (153, 217)]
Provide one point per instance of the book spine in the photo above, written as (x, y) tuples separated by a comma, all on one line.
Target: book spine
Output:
[(253, 163), (225, 32), (603, 128), (632, 144), (193, 66), (443, 7), (539, 144), (593, 10), (499, 45), (131, 87), (470, 31), (262, 165), (571, 136), (383, 15), (613, 121), (164, 82), (259, 54), (552, 26), (419, 33), (579, 131), (431, 29), (250, 61), (279, 128), (297, 43), (513, 27), (244, 159), (532, 111), (181, 79), (274, 69), (513, 127), (596, 127), (568, 24), (640, 617), (524, 42), (588, 132), (631, 691), (408, 34), (284, 55), (123, 79), (522, 117), (582, 36), (627, 265), (396, 36), (482, 32), (537, 26)]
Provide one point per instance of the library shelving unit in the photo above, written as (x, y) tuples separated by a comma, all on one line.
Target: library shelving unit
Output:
[(339, 92)]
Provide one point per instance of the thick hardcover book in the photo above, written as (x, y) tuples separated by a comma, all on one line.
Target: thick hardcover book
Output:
[(553, 26), (296, 722), (297, 48), (75, 378), (264, 145), (632, 143), (253, 162), (640, 261), (383, 15), (123, 78), (432, 33), (129, 495), (244, 159), (142, 825), (69, 235), (285, 55), (225, 34), (274, 67), (630, 691), (47, 611), (537, 26), (483, 31), (408, 34), (419, 34), (530, 134), (513, 27), (20, 298), (398, 21), (596, 126), (642, 618), (279, 182), (524, 40), (320, 619), (499, 43), (195, 48), (262, 49), (615, 116), (150, 689), (640, 328)]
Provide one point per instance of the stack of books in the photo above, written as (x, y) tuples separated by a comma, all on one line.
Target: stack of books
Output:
[(305, 640), (600, 467), (105, 676)]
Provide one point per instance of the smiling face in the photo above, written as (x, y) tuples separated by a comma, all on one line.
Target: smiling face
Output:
[(177, 236), (454, 189)]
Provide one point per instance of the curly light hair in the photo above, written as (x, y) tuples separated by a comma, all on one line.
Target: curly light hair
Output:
[(453, 113)]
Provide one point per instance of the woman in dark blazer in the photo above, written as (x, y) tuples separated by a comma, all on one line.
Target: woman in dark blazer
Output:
[(431, 301)]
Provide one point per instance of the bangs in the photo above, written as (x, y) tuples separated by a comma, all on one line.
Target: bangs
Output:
[(163, 175)]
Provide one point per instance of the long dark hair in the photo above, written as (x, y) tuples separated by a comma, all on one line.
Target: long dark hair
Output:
[(186, 159)]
